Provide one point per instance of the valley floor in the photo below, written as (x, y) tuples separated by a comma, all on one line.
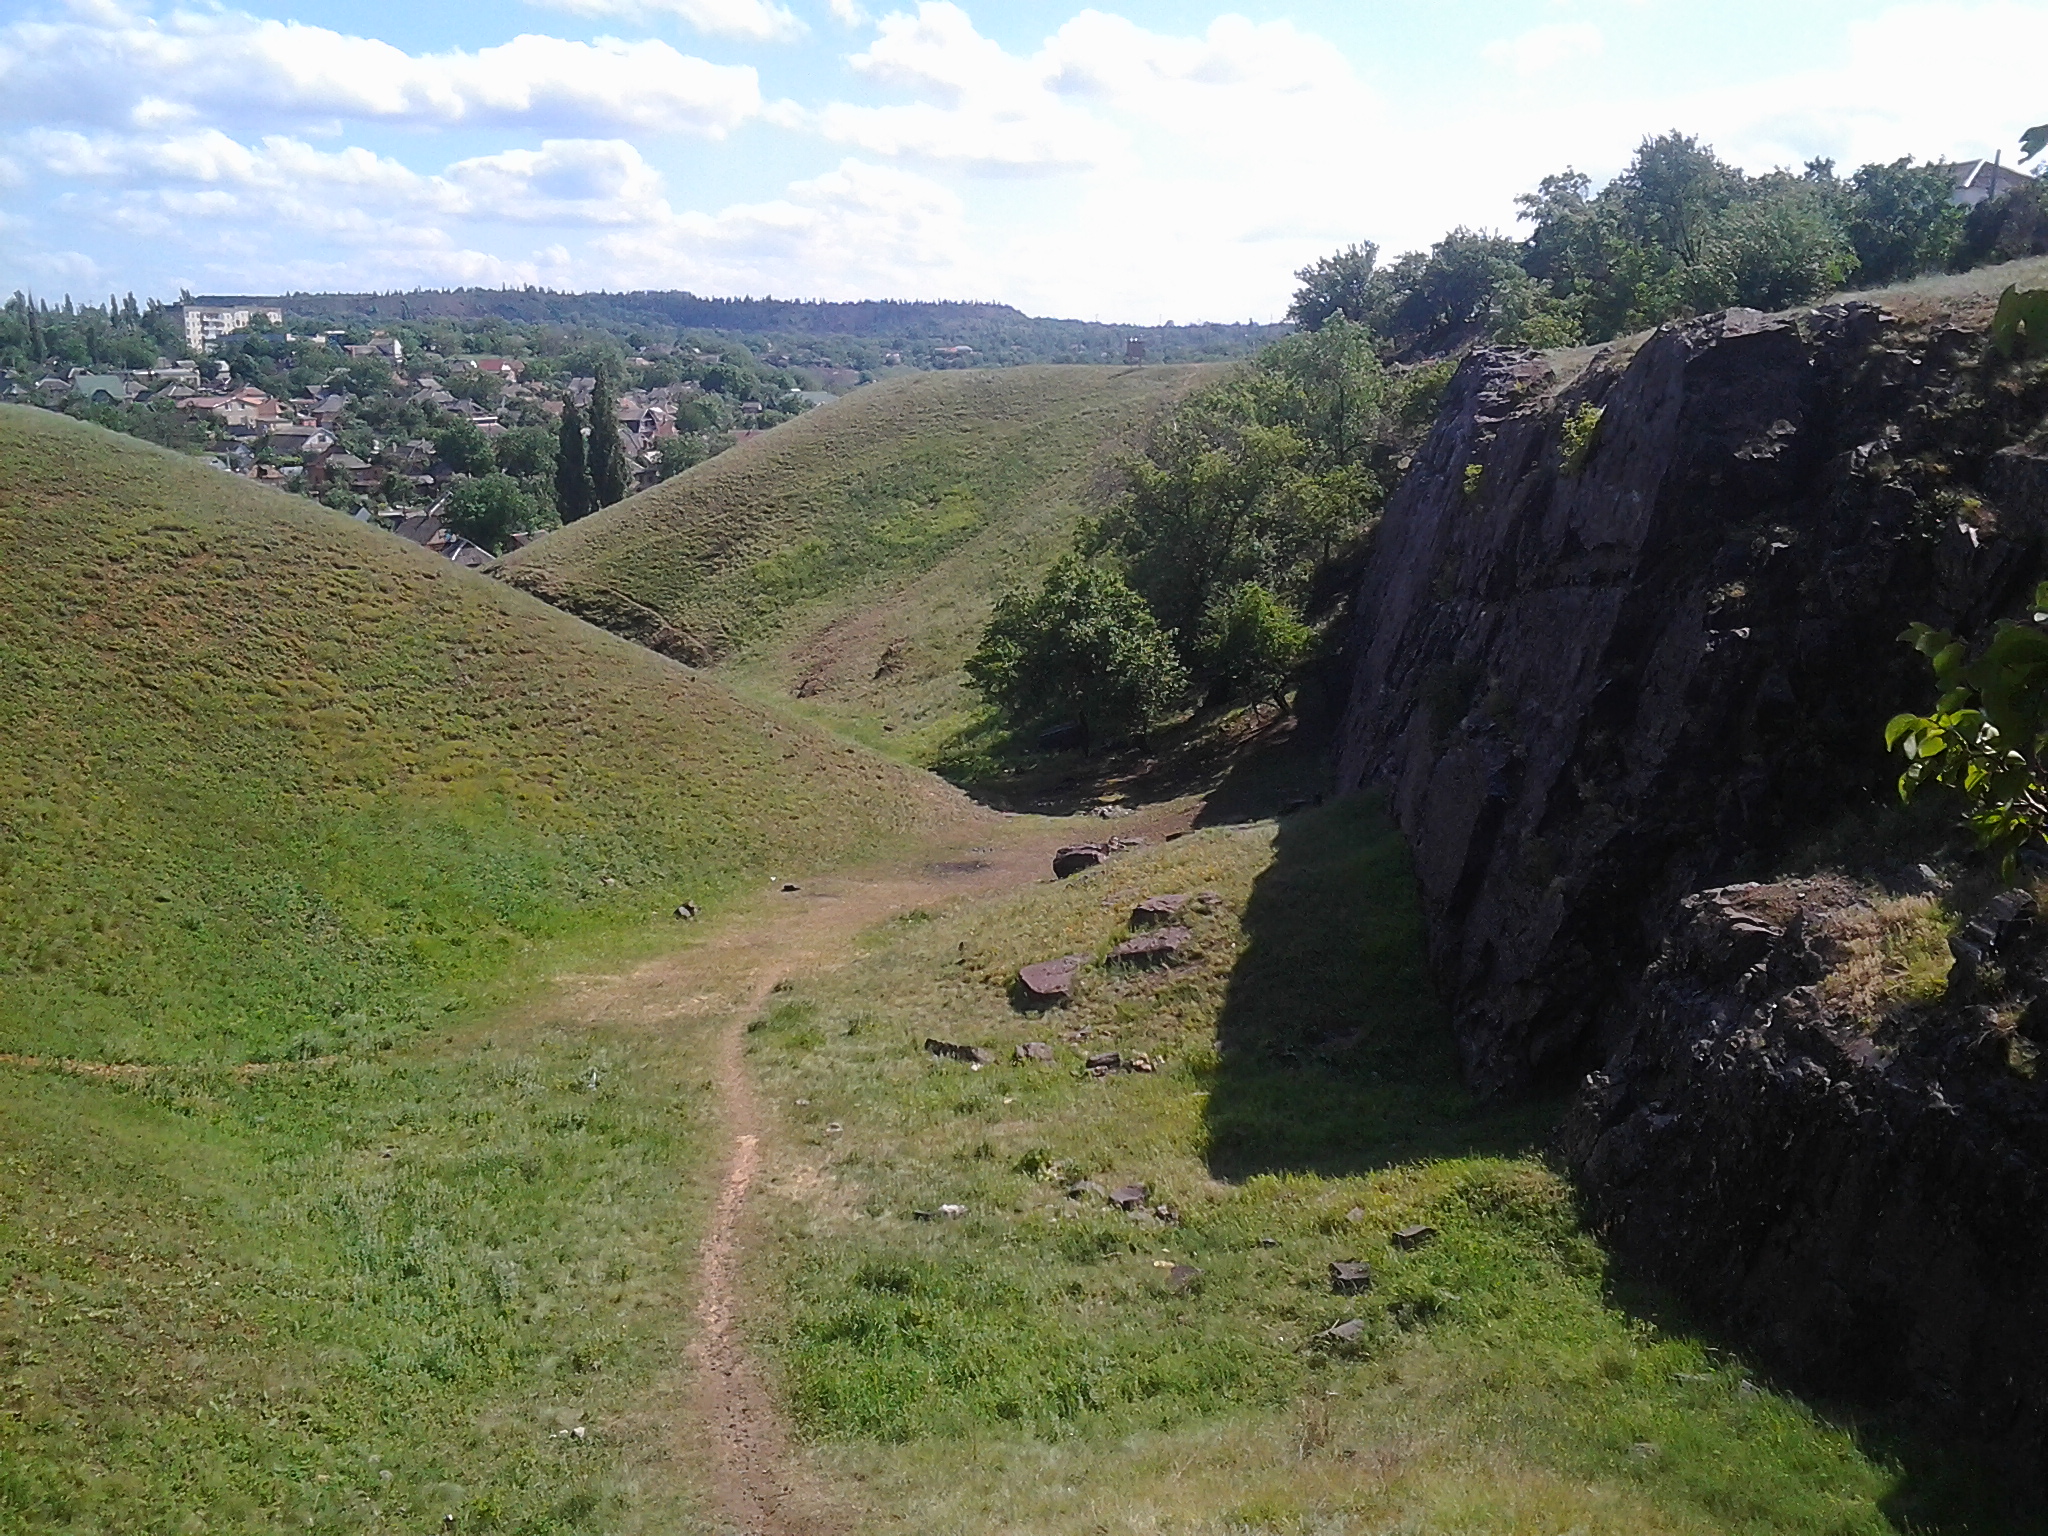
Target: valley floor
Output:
[(649, 1252)]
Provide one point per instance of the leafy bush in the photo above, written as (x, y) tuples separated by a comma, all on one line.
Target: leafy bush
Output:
[(1083, 645), (1987, 737), (489, 511), (1580, 431)]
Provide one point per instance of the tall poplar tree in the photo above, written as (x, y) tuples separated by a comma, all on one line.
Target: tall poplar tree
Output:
[(607, 455), (574, 496)]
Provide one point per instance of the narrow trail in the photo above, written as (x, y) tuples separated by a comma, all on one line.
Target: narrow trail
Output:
[(734, 1426)]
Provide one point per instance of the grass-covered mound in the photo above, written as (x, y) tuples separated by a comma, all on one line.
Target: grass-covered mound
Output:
[(850, 558), (1037, 1363), (273, 783)]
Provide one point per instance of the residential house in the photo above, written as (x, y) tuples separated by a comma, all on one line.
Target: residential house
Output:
[(1978, 181), (299, 440), (502, 368), (102, 388)]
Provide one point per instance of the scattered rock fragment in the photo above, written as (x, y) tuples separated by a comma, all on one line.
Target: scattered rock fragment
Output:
[(1165, 1215), (1269, 1242), (1081, 1187), (1141, 1063), (1183, 1276), (1150, 948), (1051, 981), (687, 911), (922, 1215), (1071, 861), (833, 1128), (973, 1054), (1345, 1333), (1349, 1277), (1131, 1197), (790, 888), (1154, 911), (1104, 1062), (951, 1211), (1355, 1214), (1413, 1237), (1034, 1050)]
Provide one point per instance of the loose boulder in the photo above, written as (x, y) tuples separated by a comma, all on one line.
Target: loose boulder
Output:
[(1348, 1277), (1034, 1050), (1071, 861), (1131, 1197), (1151, 948), (1050, 981), (1154, 911)]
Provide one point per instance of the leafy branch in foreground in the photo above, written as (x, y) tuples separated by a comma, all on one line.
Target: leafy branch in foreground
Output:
[(1988, 735)]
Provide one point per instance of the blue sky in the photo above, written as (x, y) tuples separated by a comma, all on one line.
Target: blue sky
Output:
[(1135, 161)]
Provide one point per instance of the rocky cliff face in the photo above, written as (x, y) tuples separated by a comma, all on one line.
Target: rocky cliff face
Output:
[(1866, 1201), (1604, 666)]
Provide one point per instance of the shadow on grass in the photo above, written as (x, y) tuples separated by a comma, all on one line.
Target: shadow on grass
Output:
[(1336, 1058), (1336, 1055), (1947, 1485), (1248, 762)]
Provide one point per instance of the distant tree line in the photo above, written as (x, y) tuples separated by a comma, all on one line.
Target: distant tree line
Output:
[(1678, 232)]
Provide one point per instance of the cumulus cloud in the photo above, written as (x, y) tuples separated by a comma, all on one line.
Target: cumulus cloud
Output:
[(760, 21), (229, 66)]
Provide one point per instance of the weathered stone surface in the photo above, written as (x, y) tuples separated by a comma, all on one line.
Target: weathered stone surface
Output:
[(1407, 1238), (1071, 861), (1084, 1187), (1350, 1277), (1155, 911), (1034, 1050), (1592, 690), (1151, 948), (1131, 1197), (1182, 1277), (1344, 1333), (1105, 1061), (977, 1055), (1051, 981), (1866, 1210)]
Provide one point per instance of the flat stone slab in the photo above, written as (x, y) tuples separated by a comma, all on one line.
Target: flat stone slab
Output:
[(1052, 981), (1154, 911), (1414, 1237), (973, 1054), (1345, 1333), (1034, 1050), (1150, 948), (1105, 1061), (1131, 1197), (1349, 1277), (1082, 1188)]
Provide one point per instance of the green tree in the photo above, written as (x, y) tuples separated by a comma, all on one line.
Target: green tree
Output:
[(488, 511), (1780, 245), (606, 455), (575, 497), (527, 452), (1084, 644), (1673, 193), (681, 452), (1901, 220), (1253, 643), (464, 449), (1344, 285)]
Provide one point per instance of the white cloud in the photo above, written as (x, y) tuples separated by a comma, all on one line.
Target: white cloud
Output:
[(761, 21), (1542, 50), (848, 13), (859, 231), (233, 67)]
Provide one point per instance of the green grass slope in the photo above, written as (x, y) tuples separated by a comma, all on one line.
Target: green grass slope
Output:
[(1037, 1363), (848, 559), (273, 783)]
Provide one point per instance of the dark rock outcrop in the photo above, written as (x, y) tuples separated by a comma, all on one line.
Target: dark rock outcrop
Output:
[(1616, 639), (1868, 1207)]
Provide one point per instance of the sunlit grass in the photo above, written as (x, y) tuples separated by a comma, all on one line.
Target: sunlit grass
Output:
[(1032, 1365)]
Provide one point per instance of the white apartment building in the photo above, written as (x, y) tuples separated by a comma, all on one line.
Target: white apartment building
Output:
[(207, 323)]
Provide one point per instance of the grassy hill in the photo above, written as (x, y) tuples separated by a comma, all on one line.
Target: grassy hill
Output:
[(849, 558), (277, 788), (272, 782)]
